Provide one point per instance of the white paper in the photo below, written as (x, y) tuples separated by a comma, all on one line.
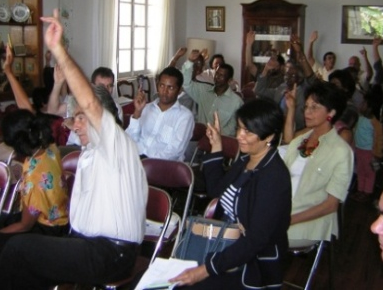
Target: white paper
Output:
[(161, 270), (154, 228)]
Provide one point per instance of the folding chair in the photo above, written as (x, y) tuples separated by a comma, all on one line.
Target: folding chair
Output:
[(69, 161), (159, 209), (230, 150), (210, 209), (318, 247), (5, 182), (172, 175)]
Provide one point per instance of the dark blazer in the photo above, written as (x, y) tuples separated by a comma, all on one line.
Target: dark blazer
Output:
[(263, 207)]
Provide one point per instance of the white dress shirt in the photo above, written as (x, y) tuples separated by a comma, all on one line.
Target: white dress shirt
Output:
[(110, 190), (162, 134)]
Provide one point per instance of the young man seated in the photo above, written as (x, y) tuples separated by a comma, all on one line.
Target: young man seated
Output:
[(162, 128)]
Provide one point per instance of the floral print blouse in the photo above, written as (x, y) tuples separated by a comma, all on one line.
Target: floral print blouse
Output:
[(43, 189)]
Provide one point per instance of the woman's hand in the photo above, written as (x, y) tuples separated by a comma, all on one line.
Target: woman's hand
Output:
[(191, 276), (213, 133), (7, 66)]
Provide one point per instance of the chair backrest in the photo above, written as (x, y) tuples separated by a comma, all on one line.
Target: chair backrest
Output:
[(173, 175), (126, 89), (159, 209), (69, 177), (5, 182), (198, 132), (146, 87), (11, 197), (69, 161), (230, 148)]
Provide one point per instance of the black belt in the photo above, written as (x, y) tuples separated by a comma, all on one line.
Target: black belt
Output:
[(117, 242)]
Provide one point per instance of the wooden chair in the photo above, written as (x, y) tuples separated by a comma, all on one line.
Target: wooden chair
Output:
[(69, 161), (125, 89)]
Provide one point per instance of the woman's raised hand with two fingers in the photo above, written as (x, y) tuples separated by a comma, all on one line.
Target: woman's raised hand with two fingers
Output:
[(213, 133)]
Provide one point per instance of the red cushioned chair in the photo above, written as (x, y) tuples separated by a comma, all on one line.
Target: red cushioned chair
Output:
[(69, 161)]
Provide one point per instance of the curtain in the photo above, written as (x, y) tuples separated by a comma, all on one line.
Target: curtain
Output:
[(105, 33), (166, 50)]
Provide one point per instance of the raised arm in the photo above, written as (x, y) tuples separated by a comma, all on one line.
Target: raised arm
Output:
[(54, 105), (367, 64), (289, 126), (377, 60), (77, 82), (21, 97), (310, 54), (250, 66), (301, 58), (180, 53)]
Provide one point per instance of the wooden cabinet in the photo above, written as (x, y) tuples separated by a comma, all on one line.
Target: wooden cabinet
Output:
[(273, 22), (28, 68)]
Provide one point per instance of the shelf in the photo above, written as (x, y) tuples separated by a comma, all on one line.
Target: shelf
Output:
[(272, 37), (261, 59)]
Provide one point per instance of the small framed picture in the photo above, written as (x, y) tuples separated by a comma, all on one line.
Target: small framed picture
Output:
[(360, 24), (215, 18)]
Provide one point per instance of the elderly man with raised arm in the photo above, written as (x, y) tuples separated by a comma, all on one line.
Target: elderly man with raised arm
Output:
[(107, 209)]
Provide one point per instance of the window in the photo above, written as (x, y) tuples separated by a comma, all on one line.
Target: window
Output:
[(138, 36)]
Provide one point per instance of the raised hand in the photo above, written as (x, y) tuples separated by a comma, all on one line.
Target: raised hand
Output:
[(7, 66), (314, 36), (376, 41), (181, 52), (139, 104), (290, 97), (213, 133), (54, 32), (296, 43), (194, 54), (363, 52)]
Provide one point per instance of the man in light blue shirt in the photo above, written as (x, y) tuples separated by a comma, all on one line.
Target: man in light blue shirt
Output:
[(162, 128)]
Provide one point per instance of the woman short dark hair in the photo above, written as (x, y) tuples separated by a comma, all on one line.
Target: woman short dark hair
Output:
[(25, 132), (262, 117), (328, 95)]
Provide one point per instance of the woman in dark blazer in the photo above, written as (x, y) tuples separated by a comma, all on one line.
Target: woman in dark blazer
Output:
[(256, 194)]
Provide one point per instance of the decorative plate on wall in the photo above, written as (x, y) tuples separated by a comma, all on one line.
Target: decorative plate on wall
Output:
[(5, 13), (20, 12)]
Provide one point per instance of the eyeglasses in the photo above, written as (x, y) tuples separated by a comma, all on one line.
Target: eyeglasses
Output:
[(313, 108)]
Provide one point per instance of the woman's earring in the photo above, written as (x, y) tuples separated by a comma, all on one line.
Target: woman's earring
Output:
[(268, 144), (329, 118)]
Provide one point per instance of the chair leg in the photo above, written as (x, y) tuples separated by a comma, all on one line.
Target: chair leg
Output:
[(315, 264)]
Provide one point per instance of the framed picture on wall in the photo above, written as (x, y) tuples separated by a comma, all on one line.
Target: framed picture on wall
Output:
[(215, 18), (360, 24)]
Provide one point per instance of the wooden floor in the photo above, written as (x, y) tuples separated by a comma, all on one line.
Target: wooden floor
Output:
[(356, 264)]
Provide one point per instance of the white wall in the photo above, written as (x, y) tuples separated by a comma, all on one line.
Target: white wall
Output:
[(322, 15), (81, 48)]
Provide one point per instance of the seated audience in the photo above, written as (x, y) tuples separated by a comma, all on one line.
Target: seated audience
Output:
[(218, 98), (162, 128), (107, 209), (248, 195), (293, 75), (44, 197), (322, 156), (276, 64), (329, 59)]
